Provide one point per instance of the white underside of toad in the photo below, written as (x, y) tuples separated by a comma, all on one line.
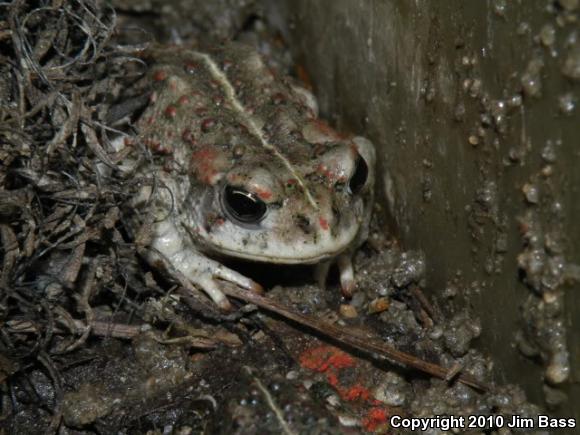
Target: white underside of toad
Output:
[(242, 168)]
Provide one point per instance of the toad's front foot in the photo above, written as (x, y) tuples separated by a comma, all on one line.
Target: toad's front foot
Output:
[(207, 274), (195, 267)]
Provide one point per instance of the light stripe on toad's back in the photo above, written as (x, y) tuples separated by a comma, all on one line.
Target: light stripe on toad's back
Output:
[(248, 120)]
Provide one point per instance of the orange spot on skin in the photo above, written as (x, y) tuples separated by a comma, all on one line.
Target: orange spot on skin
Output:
[(159, 76), (190, 67), (170, 111), (263, 194), (375, 418), (207, 124), (353, 149), (323, 224), (203, 162), (327, 173), (327, 130)]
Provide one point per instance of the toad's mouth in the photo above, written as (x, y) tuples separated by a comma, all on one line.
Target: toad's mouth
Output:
[(283, 252), (276, 259)]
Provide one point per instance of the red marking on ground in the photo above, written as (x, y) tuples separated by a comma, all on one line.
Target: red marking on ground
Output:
[(375, 418), (323, 223), (356, 392), (331, 361), (323, 358), (332, 380)]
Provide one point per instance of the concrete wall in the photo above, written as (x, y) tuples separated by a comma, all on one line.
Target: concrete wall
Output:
[(472, 107)]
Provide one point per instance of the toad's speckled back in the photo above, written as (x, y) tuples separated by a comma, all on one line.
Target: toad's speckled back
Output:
[(249, 170)]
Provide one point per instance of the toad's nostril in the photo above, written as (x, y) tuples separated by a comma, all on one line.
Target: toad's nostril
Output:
[(303, 223), (336, 214)]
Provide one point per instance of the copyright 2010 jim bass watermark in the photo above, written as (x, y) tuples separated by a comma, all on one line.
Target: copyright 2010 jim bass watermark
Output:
[(448, 422)]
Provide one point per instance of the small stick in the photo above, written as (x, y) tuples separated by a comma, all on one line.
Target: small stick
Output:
[(453, 371), (418, 294), (370, 347), (117, 330)]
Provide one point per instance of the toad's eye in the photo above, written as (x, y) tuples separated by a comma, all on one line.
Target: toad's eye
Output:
[(359, 177), (243, 206)]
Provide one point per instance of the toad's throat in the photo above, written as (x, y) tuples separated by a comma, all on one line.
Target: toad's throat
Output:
[(283, 253), (276, 259)]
